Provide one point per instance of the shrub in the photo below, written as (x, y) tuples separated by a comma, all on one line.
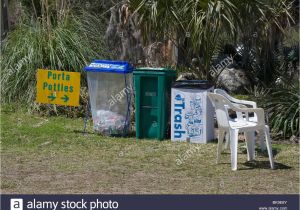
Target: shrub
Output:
[(283, 109), (66, 43)]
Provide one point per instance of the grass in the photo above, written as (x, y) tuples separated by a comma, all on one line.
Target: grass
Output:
[(51, 155)]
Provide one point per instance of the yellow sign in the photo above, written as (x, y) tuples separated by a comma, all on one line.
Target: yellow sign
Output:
[(58, 87)]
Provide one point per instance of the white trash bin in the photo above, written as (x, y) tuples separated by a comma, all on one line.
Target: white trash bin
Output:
[(192, 114)]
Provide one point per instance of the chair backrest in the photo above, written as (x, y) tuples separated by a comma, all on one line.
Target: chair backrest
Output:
[(237, 101), (221, 104), (226, 95), (230, 98)]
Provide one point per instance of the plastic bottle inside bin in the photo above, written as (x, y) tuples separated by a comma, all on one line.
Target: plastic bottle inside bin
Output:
[(109, 123)]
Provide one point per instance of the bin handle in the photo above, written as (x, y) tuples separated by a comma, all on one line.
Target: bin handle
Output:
[(149, 107)]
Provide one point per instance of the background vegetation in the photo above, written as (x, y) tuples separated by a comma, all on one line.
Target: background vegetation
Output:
[(51, 35), (262, 35)]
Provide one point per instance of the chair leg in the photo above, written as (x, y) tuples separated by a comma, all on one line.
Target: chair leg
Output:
[(261, 137), (269, 146), (233, 148), (220, 143), (227, 140), (250, 141)]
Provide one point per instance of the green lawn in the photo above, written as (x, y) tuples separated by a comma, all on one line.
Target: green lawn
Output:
[(51, 155)]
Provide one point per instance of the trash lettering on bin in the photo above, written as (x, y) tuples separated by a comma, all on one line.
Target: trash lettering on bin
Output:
[(179, 106)]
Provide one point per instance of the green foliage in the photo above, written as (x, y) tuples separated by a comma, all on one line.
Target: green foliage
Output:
[(65, 42), (282, 107), (199, 22), (258, 93), (242, 97), (281, 104), (287, 57), (284, 111), (202, 23)]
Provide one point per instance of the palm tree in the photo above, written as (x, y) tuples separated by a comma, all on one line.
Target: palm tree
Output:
[(198, 25)]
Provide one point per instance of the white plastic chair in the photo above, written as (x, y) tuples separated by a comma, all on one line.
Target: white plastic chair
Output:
[(233, 127), (242, 104)]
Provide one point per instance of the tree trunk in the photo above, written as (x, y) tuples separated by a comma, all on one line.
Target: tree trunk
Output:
[(123, 36), (4, 19)]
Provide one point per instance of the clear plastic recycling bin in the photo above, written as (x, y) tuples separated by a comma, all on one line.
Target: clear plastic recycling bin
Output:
[(110, 92), (192, 114)]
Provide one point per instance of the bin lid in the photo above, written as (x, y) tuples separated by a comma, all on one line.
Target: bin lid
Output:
[(109, 66), (193, 84), (149, 70)]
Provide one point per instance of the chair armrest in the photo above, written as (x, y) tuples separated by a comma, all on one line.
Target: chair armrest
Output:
[(250, 103), (239, 114), (258, 111), (243, 104), (239, 105)]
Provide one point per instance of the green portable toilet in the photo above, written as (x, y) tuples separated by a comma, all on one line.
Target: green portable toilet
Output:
[(152, 101)]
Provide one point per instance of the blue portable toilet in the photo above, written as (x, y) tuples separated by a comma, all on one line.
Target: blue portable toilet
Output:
[(110, 91)]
